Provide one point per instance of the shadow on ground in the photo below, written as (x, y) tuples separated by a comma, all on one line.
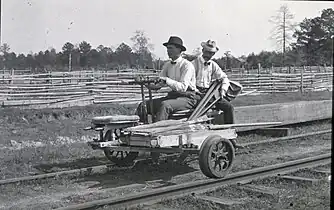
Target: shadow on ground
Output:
[(141, 173), (76, 164)]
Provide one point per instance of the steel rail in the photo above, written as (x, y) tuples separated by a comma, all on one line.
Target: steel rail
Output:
[(156, 195), (286, 138), (107, 167)]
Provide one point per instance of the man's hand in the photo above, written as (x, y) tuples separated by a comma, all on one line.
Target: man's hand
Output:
[(155, 86), (222, 92), (163, 79), (220, 80)]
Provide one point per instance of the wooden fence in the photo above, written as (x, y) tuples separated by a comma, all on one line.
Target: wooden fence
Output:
[(58, 89)]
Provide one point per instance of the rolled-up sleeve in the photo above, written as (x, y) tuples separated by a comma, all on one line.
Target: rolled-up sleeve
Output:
[(187, 72), (219, 74)]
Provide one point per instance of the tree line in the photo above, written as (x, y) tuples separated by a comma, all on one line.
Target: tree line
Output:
[(312, 45), (81, 56)]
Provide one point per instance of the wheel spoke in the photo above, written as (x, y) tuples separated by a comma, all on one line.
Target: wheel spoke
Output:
[(225, 154), (220, 166), (220, 145), (214, 154), (215, 165), (223, 148), (212, 161), (226, 163)]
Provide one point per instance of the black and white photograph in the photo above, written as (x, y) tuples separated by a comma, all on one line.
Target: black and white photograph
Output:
[(166, 105)]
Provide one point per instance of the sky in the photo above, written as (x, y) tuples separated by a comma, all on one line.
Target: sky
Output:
[(239, 26)]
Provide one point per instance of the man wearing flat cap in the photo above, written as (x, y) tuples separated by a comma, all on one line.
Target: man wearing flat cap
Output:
[(179, 75), (207, 71)]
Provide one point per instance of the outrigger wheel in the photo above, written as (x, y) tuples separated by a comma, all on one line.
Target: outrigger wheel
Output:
[(120, 158), (216, 157)]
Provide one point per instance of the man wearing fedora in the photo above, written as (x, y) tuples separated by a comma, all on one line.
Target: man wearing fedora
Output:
[(179, 75)]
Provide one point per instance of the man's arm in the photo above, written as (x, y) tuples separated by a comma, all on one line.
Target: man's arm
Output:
[(159, 85), (187, 72), (219, 74)]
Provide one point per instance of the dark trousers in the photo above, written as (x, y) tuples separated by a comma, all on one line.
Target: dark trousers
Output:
[(228, 110), (224, 105), (164, 107)]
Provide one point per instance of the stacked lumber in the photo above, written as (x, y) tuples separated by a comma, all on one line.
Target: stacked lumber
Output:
[(278, 82), (73, 76), (33, 95), (307, 69), (22, 95)]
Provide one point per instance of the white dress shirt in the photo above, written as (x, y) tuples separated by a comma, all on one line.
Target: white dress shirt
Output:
[(205, 74), (180, 75)]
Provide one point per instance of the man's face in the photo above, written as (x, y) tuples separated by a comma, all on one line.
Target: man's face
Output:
[(173, 51), (207, 55)]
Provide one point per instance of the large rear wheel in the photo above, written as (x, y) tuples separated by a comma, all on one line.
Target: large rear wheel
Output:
[(216, 157)]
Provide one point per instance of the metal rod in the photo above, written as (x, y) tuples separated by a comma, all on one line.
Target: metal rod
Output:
[(145, 111), (1, 13), (205, 100), (217, 127), (70, 62), (151, 104)]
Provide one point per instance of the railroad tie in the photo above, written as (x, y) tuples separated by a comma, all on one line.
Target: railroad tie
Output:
[(299, 179), (222, 201), (322, 171), (272, 191)]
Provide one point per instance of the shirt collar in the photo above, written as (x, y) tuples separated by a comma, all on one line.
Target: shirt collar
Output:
[(203, 61), (177, 60)]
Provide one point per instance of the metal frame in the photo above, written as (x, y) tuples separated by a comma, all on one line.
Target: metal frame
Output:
[(141, 149), (139, 141), (160, 143)]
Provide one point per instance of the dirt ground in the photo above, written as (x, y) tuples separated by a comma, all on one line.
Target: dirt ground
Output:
[(58, 192), (48, 136)]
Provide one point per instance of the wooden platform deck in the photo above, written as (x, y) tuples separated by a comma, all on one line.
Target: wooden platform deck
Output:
[(287, 113)]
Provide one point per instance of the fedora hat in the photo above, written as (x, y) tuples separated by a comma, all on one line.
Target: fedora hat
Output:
[(210, 46), (175, 41)]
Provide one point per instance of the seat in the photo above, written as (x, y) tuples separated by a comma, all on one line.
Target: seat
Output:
[(182, 113), (115, 119), (186, 113)]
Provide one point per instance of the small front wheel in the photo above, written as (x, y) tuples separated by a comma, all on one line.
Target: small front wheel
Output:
[(216, 157), (121, 158)]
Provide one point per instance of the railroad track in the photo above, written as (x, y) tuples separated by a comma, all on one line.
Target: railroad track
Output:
[(100, 169), (153, 196)]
